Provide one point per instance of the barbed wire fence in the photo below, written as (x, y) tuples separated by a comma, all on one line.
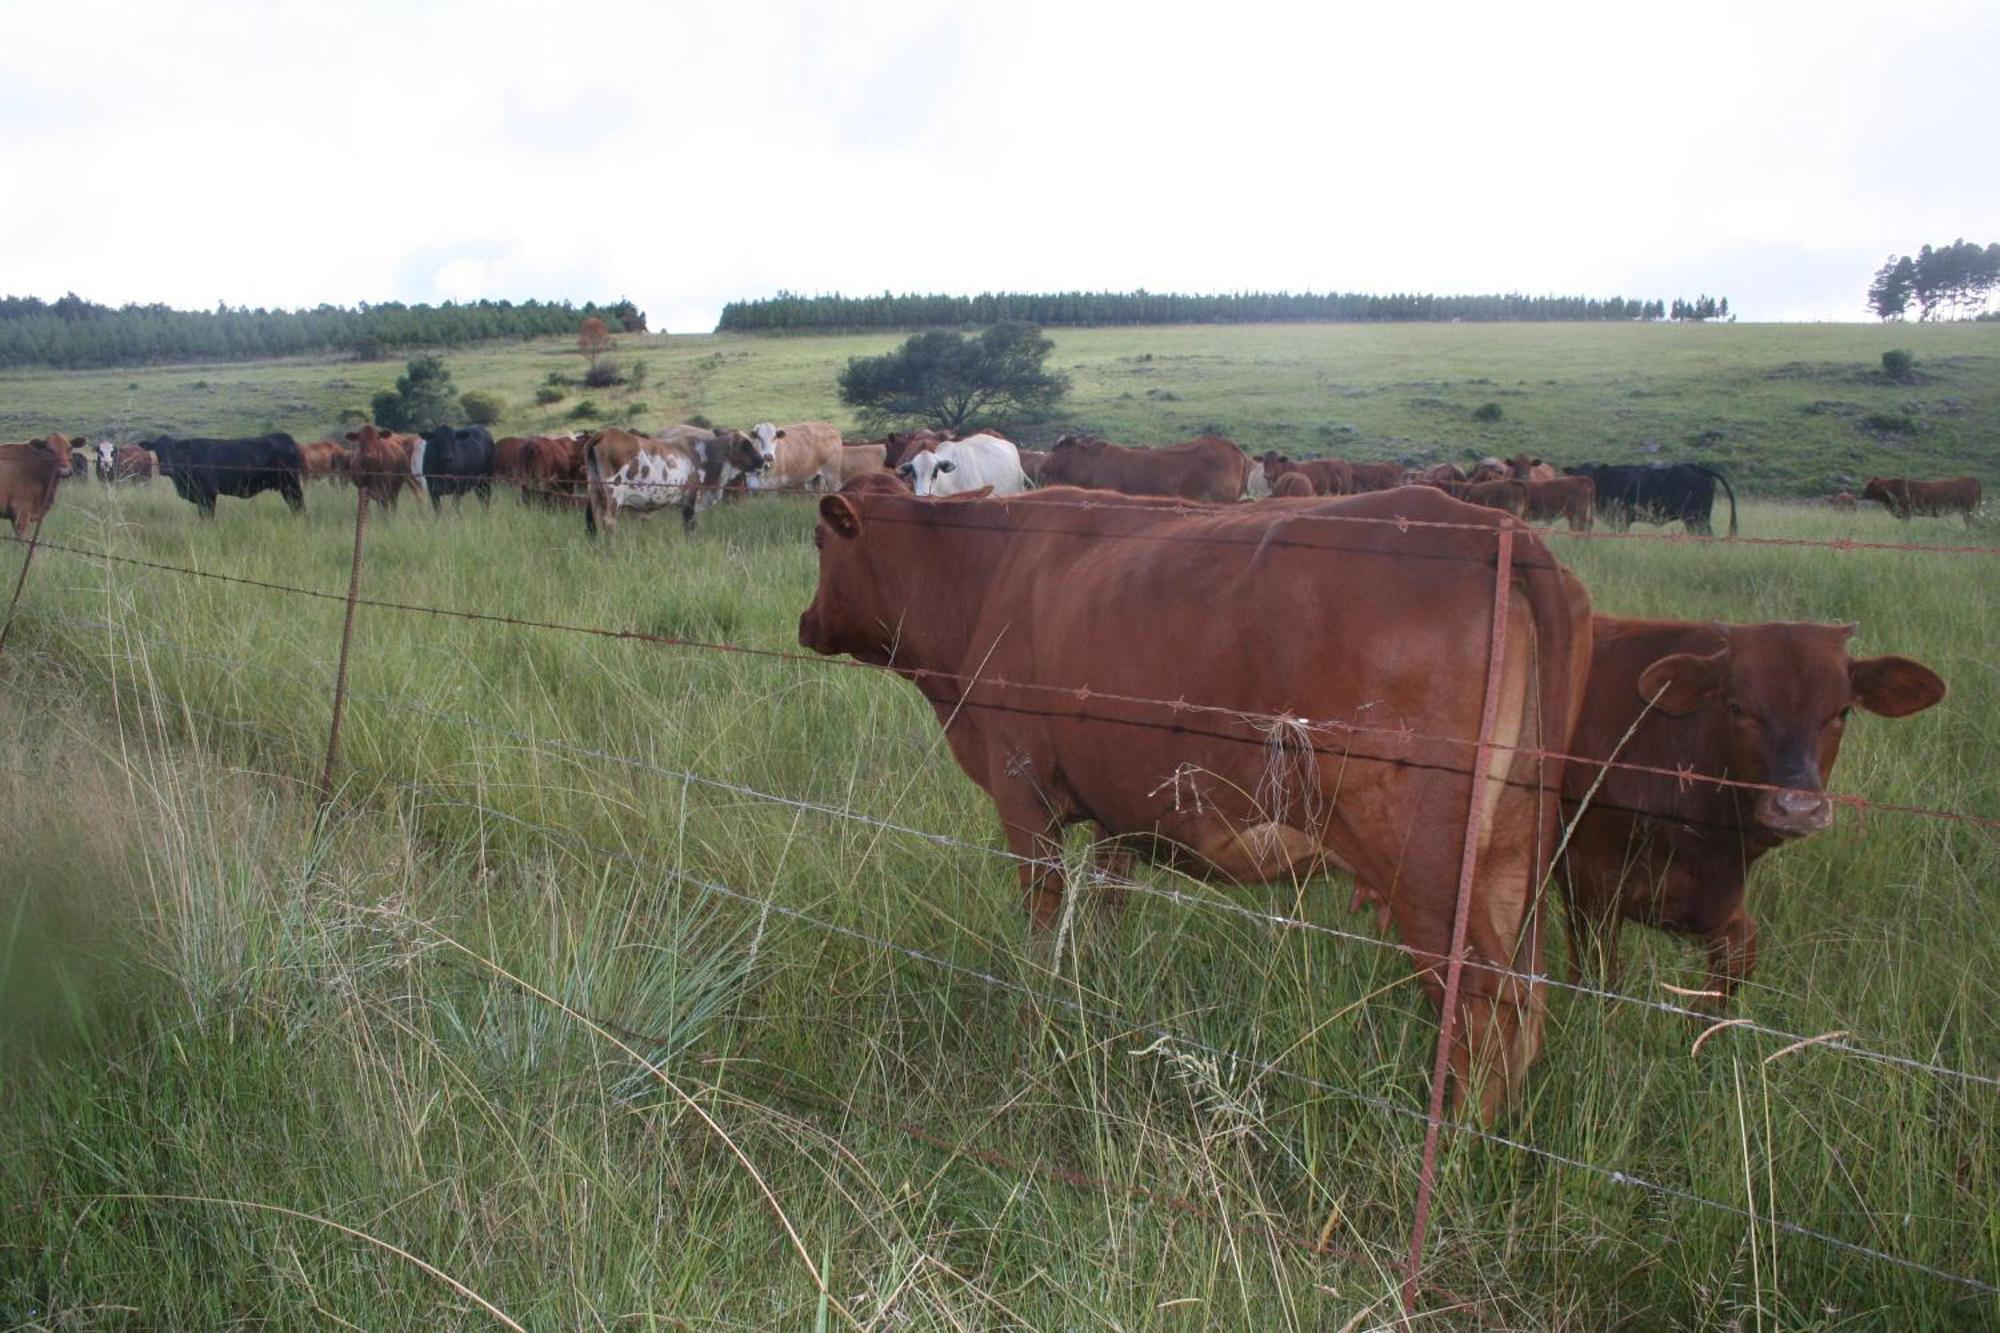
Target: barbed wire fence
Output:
[(1076, 698)]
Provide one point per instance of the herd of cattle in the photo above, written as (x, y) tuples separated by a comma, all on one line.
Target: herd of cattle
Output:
[(1327, 648)]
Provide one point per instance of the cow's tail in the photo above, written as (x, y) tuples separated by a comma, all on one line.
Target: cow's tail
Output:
[(417, 467), (1726, 491)]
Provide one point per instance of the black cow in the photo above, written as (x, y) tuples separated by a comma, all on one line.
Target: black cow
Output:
[(202, 469), (454, 461), (1661, 493)]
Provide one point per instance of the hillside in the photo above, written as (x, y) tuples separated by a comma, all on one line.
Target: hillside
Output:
[(1783, 409)]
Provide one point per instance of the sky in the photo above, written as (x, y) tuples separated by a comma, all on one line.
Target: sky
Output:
[(685, 155)]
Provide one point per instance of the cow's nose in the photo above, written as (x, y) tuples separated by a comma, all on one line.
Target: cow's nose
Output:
[(1795, 813)]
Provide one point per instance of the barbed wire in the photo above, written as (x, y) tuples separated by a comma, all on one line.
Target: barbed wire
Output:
[(1082, 694), (1177, 897)]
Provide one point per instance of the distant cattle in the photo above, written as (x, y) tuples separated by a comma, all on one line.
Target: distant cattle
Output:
[(977, 602), (1661, 493), (958, 466), (855, 459), (1841, 500), (1505, 494), (29, 474), (1524, 468), (204, 469), (1437, 473), (128, 462), (508, 463), (1906, 496), (82, 462), (454, 461), (791, 457), (1326, 476), (1571, 498), (1031, 464), (899, 446), (320, 460), (1376, 476), (379, 464), (1760, 704), (1208, 468), (1489, 469), (628, 471), (1292, 486), (549, 469)]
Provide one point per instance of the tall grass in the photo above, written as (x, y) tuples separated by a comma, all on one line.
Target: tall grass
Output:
[(495, 1017)]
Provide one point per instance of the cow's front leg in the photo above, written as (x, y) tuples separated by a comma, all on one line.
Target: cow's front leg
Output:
[(1732, 953)]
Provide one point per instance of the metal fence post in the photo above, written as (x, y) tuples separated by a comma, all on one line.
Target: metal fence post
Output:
[(27, 558), (1468, 865), (346, 640)]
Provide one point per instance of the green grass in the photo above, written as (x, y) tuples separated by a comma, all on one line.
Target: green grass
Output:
[(1780, 409), (376, 1023)]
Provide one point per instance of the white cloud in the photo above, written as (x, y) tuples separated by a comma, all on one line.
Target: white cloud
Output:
[(684, 155)]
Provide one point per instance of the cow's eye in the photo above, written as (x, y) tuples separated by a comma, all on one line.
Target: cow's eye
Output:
[(1735, 709)]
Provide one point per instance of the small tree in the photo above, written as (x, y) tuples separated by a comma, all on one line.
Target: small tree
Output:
[(423, 397), (482, 408), (594, 340), (950, 380), (1899, 365)]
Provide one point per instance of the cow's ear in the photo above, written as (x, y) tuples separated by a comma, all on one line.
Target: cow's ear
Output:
[(1684, 682), (1894, 686), (838, 512)]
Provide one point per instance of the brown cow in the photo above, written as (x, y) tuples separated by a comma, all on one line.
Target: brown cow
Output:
[(1763, 704), (1841, 500), (1508, 496), (1207, 468), (131, 463), (1904, 496), (1031, 464), (1293, 485), (380, 464), (1376, 476), (1326, 476), (1572, 498), (509, 462), (902, 444), (549, 469), (1439, 472), (1153, 601), (1523, 468), (1489, 469), (29, 474), (320, 460)]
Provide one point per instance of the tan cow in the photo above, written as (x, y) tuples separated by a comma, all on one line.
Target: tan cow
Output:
[(380, 464), (1571, 498), (320, 460), (786, 458)]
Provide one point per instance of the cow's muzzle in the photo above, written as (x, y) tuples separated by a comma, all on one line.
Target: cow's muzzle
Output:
[(1794, 814)]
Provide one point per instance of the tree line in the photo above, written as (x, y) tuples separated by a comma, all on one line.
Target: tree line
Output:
[(73, 334), (789, 310), (1953, 280)]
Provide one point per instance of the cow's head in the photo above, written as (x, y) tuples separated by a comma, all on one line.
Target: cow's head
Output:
[(104, 451), (740, 451), (855, 610), (1877, 489), (56, 446), (923, 471), (1776, 699), (1274, 465)]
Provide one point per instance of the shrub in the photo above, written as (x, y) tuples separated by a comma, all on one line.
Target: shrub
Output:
[(1890, 423), (1898, 365), (699, 420), (549, 393), (639, 409), (1486, 412), (603, 373), (637, 375), (482, 408), (585, 411), (556, 379)]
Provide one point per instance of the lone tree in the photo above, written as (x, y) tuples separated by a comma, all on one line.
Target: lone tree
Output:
[(423, 397), (593, 339), (951, 380)]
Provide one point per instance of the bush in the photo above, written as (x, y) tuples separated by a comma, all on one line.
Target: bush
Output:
[(637, 375), (699, 420), (585, 411), (1486, 412), (482, 408), (1898, 365), (603, 373), (555, 379), (633, 411), (549, 393)]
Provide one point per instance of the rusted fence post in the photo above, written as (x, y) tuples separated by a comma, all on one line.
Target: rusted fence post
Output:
[(1468, 865), (346, 639), (27, 558)]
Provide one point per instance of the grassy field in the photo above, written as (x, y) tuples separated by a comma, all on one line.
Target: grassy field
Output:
[(605, 1045), (1781, 409)]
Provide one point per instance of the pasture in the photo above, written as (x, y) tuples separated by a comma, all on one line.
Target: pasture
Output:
[(1780, 409), (611, 1046)]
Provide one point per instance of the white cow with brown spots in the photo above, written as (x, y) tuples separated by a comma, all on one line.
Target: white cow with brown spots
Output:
[(637, 472)]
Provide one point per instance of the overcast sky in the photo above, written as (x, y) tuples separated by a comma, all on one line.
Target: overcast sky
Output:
[(687, 154)]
